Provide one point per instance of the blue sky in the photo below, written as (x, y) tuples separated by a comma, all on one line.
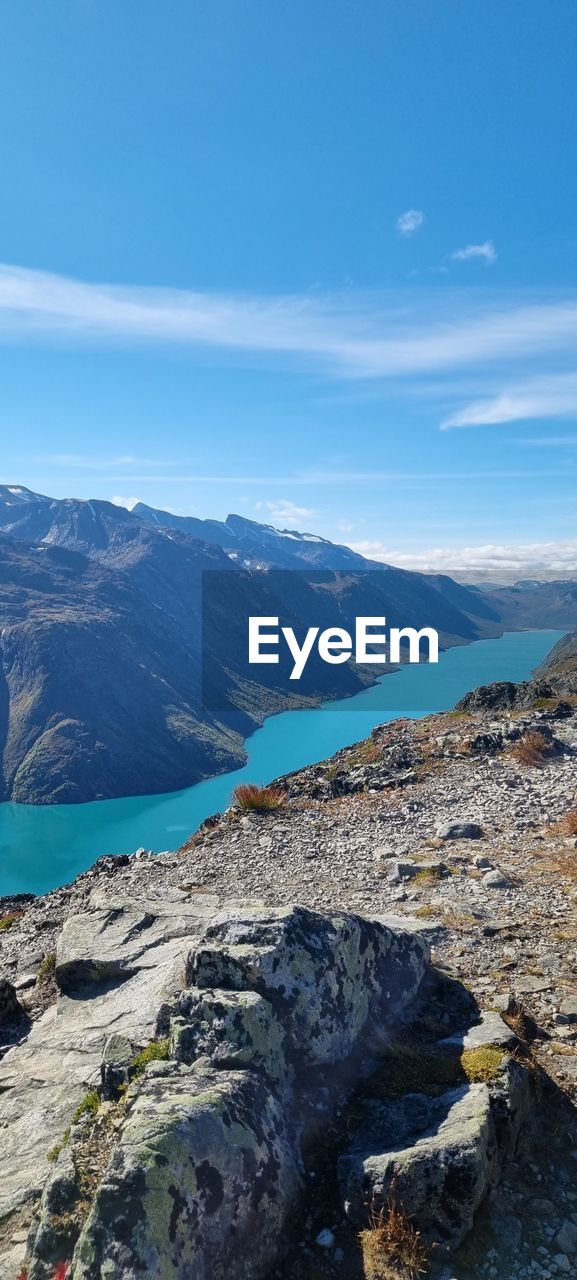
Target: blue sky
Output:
[(312, 261)]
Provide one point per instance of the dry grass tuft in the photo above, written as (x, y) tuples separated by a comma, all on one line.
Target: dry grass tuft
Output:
[(249, 797), (564, 863), (6, 922), (392, 1246), (532, 749), (568, 824)]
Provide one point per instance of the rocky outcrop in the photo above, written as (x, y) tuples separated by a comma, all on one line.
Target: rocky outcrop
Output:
[(208, 1168), (193, 1168), (437, 1154), (269, 1014), (129, 961)]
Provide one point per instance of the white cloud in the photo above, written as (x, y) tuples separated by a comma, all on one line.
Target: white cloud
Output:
[(379, 336), (523, 559), (486, 250), (542, 397), (546, 442), (129, 503), (409, 222), (87, 462), (283, 510)]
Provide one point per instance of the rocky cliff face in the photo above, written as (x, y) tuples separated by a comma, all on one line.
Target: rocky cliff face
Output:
[(234, 1086)]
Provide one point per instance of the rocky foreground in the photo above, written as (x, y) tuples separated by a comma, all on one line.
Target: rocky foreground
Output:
[(227, 1085)]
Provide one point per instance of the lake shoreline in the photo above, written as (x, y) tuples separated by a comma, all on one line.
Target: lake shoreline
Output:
[(42, 846)]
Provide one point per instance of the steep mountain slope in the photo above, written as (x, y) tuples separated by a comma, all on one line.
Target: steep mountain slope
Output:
[(99, 691), (124, 641), (534, 604), (561, 663)]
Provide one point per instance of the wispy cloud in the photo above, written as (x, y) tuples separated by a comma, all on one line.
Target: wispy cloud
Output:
[(521, 559), (90, 462), (382, 336), (485, 251), (284, 510), (545, 442), (541, 397), (409, 222), (342, 479)]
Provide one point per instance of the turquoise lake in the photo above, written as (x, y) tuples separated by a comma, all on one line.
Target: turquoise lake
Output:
[(45, 846)]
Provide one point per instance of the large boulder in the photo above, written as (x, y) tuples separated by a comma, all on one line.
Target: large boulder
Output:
[(436, 1155), (205, 1172), (200, 1185), (325, 974)]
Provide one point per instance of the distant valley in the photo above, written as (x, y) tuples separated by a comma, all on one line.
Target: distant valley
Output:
[(104, 687)]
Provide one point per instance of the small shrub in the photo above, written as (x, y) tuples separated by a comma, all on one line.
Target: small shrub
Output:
[(89, 1106), (6, 922), (532, 749), (391, 1241), (157, 1051), (47, 968), (258, 799)]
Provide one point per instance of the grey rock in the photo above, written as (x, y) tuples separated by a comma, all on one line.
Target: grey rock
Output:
[(25, 981), (323, 973), (491, 1030), (496, 880), (460, 831), (441, 1154), (8, 1000), (117, 1056), (325, 1239), (569, 1008), (43, 1079), (566, 1238), (236, 1028)]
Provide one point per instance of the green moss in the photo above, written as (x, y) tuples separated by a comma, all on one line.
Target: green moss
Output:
[(418, 1069), (89, 1106), (483, 1064), (157, 1051), (47, 968)]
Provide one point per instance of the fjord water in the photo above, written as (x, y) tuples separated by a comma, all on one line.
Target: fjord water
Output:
[(45, 846)]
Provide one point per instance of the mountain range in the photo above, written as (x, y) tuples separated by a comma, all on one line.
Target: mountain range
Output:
[(116, 675)]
